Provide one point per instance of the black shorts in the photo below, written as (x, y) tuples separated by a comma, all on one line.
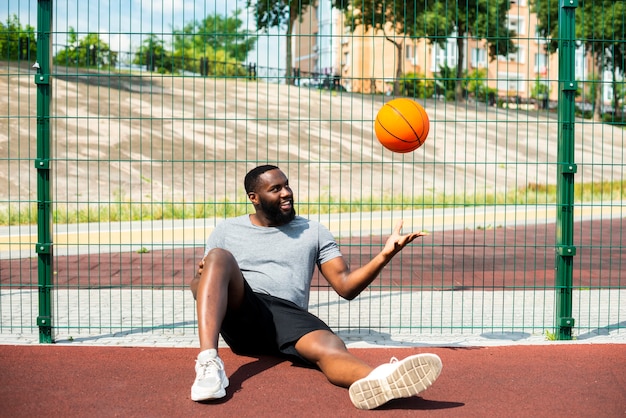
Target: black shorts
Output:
[(267, 325)]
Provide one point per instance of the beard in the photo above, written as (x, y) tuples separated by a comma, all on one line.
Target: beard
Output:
[(275, 215)]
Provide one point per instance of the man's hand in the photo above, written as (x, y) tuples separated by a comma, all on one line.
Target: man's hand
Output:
[(200, 267), (397, 242), (349, 284)]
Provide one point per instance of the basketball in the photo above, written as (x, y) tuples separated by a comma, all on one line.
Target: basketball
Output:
[(402, 125)]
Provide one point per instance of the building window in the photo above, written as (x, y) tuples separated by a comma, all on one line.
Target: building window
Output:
[(541, 64), (346, 60), (580, 63), (517, 23), (518, 57), (444, 56), (479, 58), (410, 53), (538, 37)]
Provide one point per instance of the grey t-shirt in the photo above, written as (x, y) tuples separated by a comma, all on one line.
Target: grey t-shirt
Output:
[(278, 261)]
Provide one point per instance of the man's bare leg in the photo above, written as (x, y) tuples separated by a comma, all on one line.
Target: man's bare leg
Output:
[(330, 354), (218, 286), (368, 388)]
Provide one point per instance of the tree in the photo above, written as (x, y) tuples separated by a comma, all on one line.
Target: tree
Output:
[(278, 14), (540, 92), (476, 86), (437, 21), (417, 86), (91, 51), (214, 45), (226, 34), (16, 42), (619, 92), (394, 19), (445, 83), (599, 26), (478, 19), (153, 55)]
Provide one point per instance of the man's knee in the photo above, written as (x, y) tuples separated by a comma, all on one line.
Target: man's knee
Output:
[(318, 344), (219, 268), (215, 258)]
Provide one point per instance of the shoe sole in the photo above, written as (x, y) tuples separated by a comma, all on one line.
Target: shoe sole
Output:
[(413, 375), (197, 396)]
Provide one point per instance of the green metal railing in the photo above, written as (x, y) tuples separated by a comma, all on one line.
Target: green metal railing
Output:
[(567, 169), (44, 246)]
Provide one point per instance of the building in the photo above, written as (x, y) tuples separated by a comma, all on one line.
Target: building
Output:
[(365, 62)]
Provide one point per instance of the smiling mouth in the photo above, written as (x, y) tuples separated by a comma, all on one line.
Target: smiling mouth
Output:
[(287, 205)]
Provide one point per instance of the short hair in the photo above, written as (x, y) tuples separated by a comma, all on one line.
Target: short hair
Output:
[(252, 178)]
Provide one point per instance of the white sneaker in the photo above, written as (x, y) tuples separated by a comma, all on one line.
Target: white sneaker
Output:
[(397, 379), (211, 381)]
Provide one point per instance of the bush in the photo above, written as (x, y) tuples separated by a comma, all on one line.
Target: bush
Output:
[(416, 85)]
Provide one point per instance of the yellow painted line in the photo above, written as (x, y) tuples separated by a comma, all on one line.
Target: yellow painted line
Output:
[(352, 224)]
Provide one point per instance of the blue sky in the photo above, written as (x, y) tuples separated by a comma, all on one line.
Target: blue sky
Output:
[(122, 23)]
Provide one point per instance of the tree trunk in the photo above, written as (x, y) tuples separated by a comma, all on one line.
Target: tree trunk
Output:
[(598, 99), (293, 15), (616, 109), (396, 83), (460, 66)]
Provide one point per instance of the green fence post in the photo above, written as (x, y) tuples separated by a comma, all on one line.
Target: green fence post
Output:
[(42, 165), (565, 250)]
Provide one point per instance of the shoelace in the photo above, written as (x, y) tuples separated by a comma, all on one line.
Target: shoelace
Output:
[(207, 365)]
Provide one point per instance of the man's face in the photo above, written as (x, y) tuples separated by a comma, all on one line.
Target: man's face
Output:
[(274, 198)]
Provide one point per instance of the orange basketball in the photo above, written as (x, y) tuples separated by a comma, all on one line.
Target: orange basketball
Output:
[(402, 125)]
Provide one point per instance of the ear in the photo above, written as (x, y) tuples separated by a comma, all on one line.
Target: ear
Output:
[(253, 197)]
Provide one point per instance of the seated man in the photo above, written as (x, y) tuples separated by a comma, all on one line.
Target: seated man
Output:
[(253, 285)]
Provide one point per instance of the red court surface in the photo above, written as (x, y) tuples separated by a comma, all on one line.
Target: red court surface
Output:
[(557, 380), (511, 257)]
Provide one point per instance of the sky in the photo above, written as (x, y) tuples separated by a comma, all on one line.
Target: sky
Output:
[(123, 24)]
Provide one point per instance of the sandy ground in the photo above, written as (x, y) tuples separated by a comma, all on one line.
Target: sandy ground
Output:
[(154, 138)]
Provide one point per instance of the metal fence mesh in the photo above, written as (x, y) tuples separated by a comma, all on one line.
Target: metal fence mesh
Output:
[(152, 130)]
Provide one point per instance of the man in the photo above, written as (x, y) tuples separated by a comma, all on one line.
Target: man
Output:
[(253, 286)]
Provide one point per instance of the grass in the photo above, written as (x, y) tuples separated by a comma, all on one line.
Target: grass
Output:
[(552, 336), (122, 210)]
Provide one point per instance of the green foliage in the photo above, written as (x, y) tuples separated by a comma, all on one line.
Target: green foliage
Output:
[(540, 89), (19, 214), (153, 55), (475, 84), (437, 21), (90, 51), (17, 42), (280, 14), (598, 25), (407, 17), (478, 19), (417, 86), (390, 18), (124, 210), (550, 336), (225, 34), (214, 46), (446, 82), (619, 93)]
